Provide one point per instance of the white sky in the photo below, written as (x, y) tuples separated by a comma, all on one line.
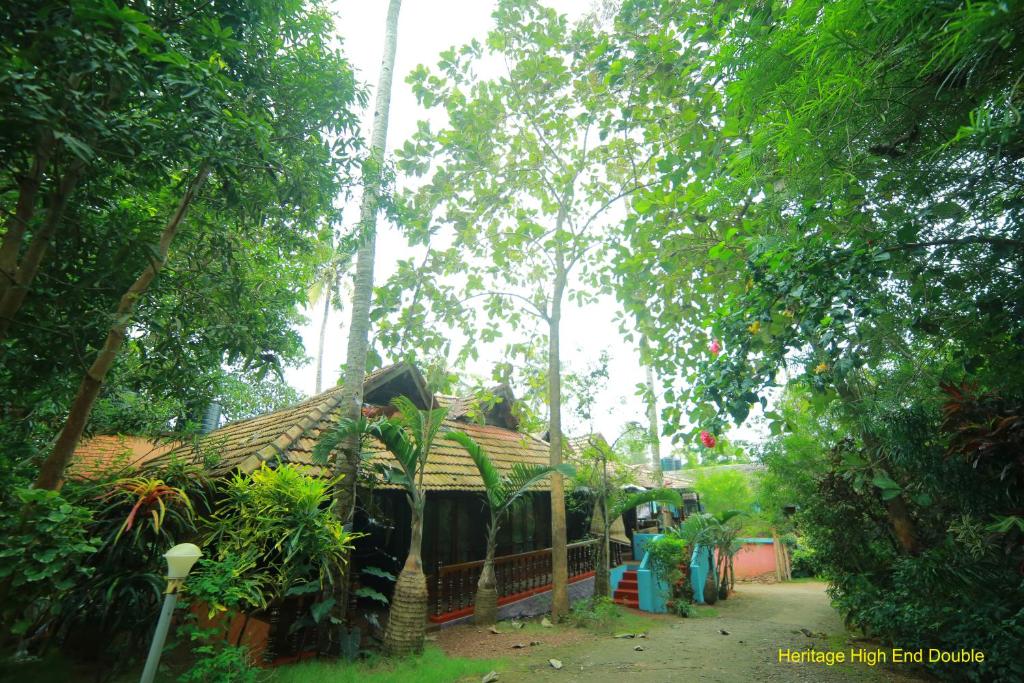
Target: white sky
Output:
[(425, 29)]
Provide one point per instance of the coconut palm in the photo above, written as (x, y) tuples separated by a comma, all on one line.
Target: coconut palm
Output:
[(408, 436), (327, 288), (501, 492)]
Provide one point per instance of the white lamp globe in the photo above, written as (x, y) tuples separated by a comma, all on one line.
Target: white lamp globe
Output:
[(180, 559)]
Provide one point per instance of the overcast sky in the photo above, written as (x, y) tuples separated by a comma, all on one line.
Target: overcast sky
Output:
[(425, 29)]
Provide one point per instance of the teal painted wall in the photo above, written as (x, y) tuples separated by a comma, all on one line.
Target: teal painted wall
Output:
[(699, 572)]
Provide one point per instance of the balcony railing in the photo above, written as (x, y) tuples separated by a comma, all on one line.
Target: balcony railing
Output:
[(453, 587)]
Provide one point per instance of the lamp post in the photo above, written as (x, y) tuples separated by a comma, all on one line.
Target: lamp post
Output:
[(180, 559)]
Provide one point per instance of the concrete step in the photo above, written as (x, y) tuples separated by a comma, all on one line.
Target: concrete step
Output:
[(635, 604)]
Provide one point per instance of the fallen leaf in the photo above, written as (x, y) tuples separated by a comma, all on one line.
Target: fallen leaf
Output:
[(806, 632), (625, 635), (534, 642), (494, 630), (638, 648), (490, 678), (518, 646), (555, 663), (546, 623), (723, 631)]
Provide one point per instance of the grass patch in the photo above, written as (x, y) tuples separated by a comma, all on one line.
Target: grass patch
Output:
[(433, 666), (703, 612), (807, 579)]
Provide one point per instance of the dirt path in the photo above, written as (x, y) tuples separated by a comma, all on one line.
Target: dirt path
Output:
[(760, 619)]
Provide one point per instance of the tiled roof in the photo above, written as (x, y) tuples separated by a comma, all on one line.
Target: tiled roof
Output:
[(101, 455), (457, 407), (292, 433)]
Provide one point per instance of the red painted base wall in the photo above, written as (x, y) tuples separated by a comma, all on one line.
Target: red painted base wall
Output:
[(754, 559)]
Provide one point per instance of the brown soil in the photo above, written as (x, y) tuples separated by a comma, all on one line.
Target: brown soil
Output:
[(480, 643), (759, 619)]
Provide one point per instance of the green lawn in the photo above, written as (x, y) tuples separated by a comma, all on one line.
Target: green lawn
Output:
[(433, 666)]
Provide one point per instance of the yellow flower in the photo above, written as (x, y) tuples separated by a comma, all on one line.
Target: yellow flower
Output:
[(788, 313), (820, 368), (754, 327)]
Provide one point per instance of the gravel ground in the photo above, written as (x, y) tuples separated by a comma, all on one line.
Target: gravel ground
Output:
[(759, 619)]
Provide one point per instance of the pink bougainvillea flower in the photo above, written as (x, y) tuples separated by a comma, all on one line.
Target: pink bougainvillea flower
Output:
[(707, 439), (714, 347)]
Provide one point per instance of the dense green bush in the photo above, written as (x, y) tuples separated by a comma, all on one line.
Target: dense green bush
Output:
[(276, 527), (960, 586), (805, 562), (597, 612), (47, 539)]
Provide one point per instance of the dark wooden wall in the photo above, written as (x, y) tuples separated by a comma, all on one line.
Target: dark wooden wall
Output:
[(454, 530)]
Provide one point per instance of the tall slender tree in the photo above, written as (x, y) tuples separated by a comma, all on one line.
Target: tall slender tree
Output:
[(346, 462), (655, 442), (327, 289), (524, 175)]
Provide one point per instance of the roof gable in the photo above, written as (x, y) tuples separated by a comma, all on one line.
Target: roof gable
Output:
[(289, 435)]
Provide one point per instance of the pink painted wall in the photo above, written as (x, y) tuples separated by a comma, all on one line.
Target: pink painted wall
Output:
[(754, 559)]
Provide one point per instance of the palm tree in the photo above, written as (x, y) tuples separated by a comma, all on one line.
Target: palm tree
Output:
[(610, 506), (327, 288), (346, 463), (501, 494), (720, 532), (610, 503), (408, 436)]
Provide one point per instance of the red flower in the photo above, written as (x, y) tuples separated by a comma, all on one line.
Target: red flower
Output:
[(714, 347), (707, 439)]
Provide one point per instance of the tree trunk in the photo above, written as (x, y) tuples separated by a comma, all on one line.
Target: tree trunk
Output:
[(778, 556), (14, 294), (51, 473), (407, 620), (485, 606), (903, 525), (602, 572), (559, 550), (347, 462), (17, 223), (323, 336), (652, 419)]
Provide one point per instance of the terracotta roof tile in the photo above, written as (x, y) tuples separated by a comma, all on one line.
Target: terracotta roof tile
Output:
[(100, 455), (292, 433)]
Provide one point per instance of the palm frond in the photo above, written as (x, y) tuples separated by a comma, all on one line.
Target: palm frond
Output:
[(396, 440), (333, 438), (523, 477), (636, 499), (488, 472), (410, 416), (729, 515)]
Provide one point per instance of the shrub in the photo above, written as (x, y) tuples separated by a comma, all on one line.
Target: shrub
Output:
[(277, 527), (805, 562), (597, 612), (137, 519), (216, 660), (46, 539)]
